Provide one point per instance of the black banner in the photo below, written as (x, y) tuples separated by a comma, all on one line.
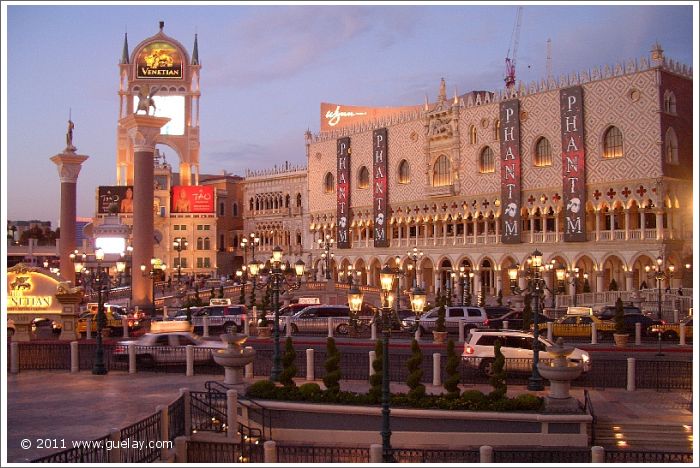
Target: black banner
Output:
[(120, 195), (343, 194), (380, 184), (573, 164), (510, 171)]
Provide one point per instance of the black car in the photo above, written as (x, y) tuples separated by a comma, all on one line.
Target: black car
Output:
[(497, 311), (608, 312), (646, 321), (514, 319)]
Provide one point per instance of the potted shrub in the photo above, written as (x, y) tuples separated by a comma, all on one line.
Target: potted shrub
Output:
[(620, 334), (440, 332)]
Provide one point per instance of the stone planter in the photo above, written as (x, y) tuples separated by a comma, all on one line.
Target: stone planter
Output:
[(620, 340), (264, 332), (439, 337)]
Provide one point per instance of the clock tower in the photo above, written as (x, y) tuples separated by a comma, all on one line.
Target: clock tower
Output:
[(162, 66)]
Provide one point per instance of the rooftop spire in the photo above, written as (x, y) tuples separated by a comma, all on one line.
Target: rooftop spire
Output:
[(195, 51), (125, 51), (161, 25)]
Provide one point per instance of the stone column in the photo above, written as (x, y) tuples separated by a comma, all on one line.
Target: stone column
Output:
[(69, 164), (629, 284), (142, 130), (599, 278), (70, 309)]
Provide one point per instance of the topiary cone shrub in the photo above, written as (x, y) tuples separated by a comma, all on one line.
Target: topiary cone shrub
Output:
[(440, 322), (332, 377), (498, 379), (416, 389), (289, 370), (619, 317), (452, 380)]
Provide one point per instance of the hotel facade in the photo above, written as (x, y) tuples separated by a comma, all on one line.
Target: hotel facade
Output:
[(593, 169)]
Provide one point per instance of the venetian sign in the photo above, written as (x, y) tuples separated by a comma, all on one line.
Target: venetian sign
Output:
[(510, 171), (380, 195), (159, 60), (573, 164), (29, 290), (343, 193)]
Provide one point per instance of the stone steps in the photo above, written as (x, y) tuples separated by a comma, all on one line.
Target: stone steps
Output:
[(669, 437)]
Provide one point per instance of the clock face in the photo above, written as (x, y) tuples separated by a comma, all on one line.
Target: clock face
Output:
[(172, 107)]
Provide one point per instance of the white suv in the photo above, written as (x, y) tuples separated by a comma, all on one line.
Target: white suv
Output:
[(471, 317), (516, 347)]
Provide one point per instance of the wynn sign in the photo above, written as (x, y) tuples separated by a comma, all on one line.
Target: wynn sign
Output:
[(343, 193), (573, 164), (380, 185), (510, 171)]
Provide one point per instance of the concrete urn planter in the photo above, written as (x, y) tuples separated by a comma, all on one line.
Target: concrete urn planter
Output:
[(439, 337), (621, 340), (560, 372), (234, 357)]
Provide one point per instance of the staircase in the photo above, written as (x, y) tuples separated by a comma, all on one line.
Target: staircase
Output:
[(652, 437)]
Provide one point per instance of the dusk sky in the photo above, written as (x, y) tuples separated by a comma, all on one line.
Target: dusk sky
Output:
[(266, 69)]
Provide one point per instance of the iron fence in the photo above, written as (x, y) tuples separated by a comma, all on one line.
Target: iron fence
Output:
[(147, 430), (314, 454), (638, 456), (435, 456), (542, 455), (44, 356), (199, 451), (664, 375), (208, 411), (176, 418), (92, 453)]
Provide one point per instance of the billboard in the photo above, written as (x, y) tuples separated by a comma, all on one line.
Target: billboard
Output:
[(335, 116), (343, 193), (573, 164), (510, 171), (159, 60), (121, 195), (192, 199), (380, 185)]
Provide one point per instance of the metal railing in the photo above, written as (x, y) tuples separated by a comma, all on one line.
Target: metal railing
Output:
[(314, 454), (208, 412), (148, 429), (199, 451), (639, 456), (588, 408), (403, 455), (176, 418)]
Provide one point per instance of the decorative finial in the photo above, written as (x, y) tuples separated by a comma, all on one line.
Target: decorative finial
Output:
[(425, 106), (443, 94), (125, 51), (195, 51), (657, 53), (161, 24), (455, 101)]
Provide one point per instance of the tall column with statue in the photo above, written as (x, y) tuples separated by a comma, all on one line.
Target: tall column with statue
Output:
[(142, 130), (69, 164)]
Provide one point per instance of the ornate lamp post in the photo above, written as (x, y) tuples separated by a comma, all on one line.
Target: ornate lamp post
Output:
[(277, 280), (573, 279), (660, 273), (326, 244), (121, 266), (153, 274), (79, 261), (414, 255), (535, 287), (98, 367), (179, 244), (386, 278)]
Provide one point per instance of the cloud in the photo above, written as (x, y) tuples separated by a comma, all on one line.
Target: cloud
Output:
[(282, 42)]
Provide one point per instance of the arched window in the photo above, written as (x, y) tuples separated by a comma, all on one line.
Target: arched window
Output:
[(363, 178), (671, 147), (299, 200), (612, 143), (207, 244), (442, 172), (286, 201), (200, 243), (251, 204), (486, 161), (235, 209), (221, 209), (472, 134), (497, 130), (328, 183), (669, 102), (543, 153), (404, 172)]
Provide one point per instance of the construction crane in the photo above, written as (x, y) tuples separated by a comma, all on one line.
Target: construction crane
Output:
[(510, 60)]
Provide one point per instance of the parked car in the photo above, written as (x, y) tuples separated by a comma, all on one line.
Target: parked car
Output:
[(516, 347), (44, 328), (314, 318), (228, 317), (113, 323), (647, 322), (514, 319), (497, 311), (472, 316), (671, 331), (608, 312), (166, 348), (577, 326)]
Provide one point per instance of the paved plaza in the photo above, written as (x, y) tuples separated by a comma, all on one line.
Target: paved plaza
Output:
[(60, 405)]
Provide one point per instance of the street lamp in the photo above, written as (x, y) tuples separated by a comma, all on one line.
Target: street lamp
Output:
[(660, 273), (153, 274), (79, 261), (179, 244), (121, 266), (98, 367), (573, 279), (277, 279), (386, 278), (326, 244), (535, 287), (414, 255)]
